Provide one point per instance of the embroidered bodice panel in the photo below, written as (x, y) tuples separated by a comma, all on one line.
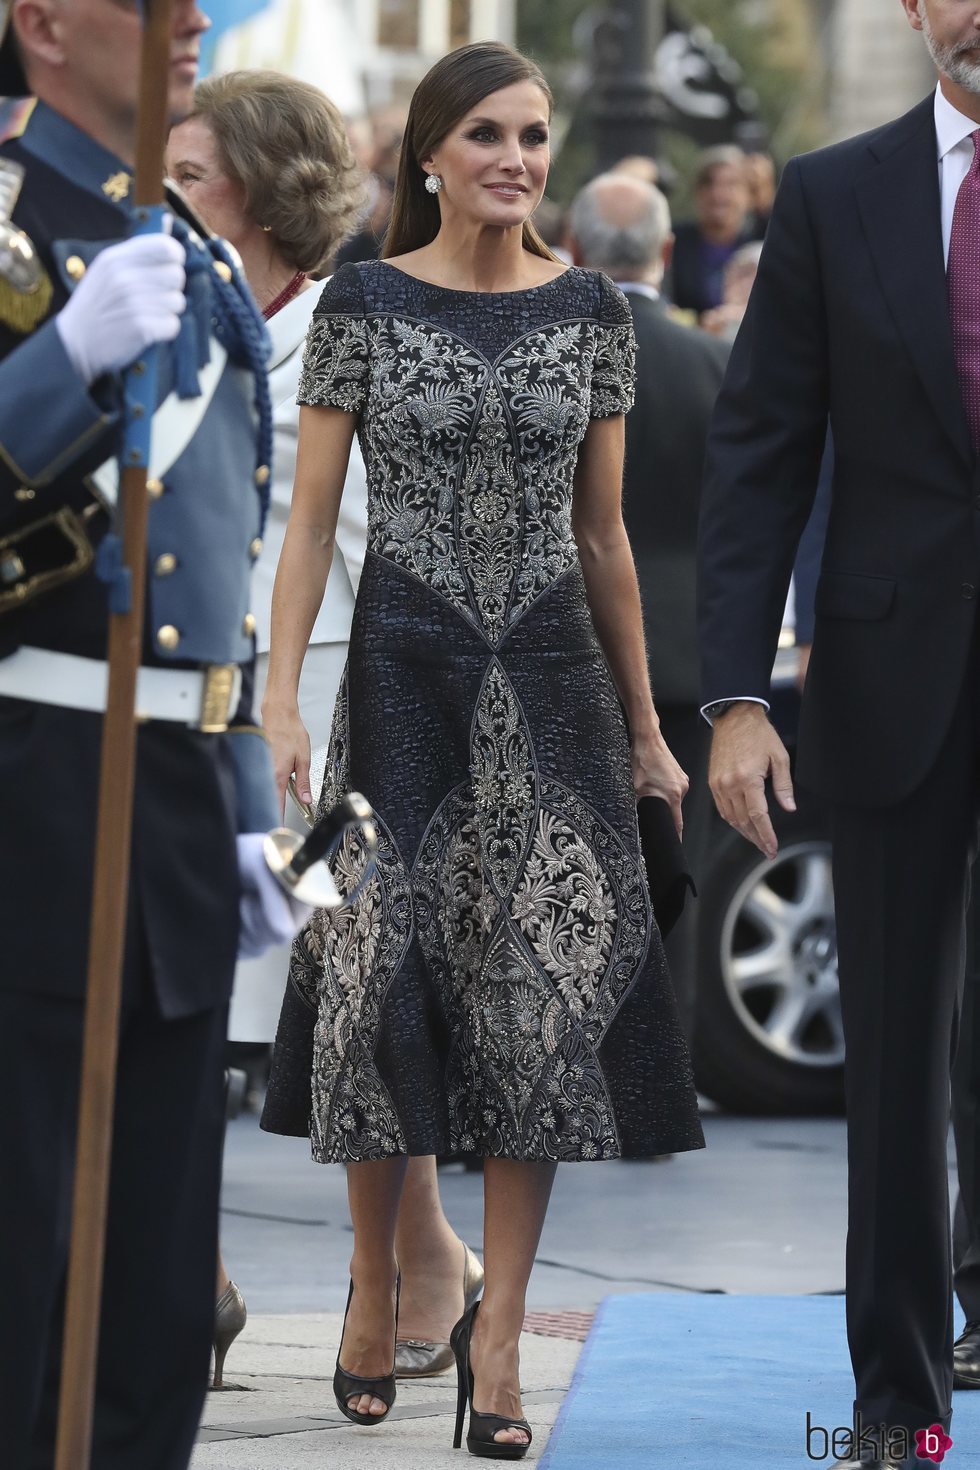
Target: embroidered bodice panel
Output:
[(472, 407)]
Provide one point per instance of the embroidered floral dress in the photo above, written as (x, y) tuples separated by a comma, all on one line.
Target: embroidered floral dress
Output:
[(499, 987)]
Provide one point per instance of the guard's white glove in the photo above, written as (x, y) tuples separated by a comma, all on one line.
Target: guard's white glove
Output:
[(268, 914), (131, 296)]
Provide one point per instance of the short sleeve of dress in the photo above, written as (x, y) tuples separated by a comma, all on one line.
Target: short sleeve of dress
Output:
[(614, 368), (335, 360)]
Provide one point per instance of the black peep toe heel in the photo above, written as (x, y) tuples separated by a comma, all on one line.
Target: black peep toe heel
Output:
[(351, 1385), (480, 1435)]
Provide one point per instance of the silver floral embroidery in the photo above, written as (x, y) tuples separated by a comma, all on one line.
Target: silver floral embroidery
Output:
[(470, 463), (565, 906), (531, 914), (349, 959), (335, 363), (502, 776)]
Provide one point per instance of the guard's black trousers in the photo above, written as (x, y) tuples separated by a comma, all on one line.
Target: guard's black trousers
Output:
[(901, 887), (159, 1285)]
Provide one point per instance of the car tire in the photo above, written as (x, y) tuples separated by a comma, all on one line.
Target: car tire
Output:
[(766, 940)]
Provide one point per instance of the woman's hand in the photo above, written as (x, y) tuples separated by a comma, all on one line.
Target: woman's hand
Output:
[(290, 743), (656, 773)]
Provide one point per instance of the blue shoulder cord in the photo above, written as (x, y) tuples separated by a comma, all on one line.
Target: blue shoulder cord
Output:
[(216, 305)]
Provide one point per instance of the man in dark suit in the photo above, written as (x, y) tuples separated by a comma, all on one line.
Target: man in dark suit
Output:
[(621, 225), (867, 308)]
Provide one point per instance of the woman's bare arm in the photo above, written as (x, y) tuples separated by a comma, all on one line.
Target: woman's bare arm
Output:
[(614, 599), (325, 437)]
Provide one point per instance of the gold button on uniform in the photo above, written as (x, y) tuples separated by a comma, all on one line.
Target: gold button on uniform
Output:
[(168, 637), (165, 564), (262, 475), (75, 266), (248, 624), (255, 548), (154, 489), (223, 270)]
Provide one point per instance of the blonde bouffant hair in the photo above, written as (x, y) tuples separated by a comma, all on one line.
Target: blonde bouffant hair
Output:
[(286, 144)]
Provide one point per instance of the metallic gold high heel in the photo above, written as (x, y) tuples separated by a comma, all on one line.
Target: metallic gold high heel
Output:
[(230, 1317), (417, 1359)]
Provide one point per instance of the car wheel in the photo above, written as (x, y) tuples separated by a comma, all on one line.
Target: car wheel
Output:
[(768, 1035)]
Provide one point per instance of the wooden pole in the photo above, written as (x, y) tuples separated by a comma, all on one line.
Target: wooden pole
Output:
[(111, 882)]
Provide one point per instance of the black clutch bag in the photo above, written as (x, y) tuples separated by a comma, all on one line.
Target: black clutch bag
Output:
[(663, 857)]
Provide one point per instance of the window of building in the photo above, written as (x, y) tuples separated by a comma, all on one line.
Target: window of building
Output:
[(460, 20), (398, 24)]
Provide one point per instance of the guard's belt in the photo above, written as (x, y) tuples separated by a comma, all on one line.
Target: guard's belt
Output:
[(203, 699)]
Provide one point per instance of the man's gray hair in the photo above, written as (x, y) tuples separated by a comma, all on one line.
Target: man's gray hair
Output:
[(620, 248)]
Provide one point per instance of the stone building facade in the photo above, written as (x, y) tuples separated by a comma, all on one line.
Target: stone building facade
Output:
[(878, 66)]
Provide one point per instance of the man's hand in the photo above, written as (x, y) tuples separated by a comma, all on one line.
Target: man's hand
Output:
[(745, 752)]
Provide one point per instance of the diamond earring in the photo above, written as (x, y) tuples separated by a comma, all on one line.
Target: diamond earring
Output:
[(433, 183)]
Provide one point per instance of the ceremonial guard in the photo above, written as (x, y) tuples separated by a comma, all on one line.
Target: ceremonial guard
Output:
[(81, 298)]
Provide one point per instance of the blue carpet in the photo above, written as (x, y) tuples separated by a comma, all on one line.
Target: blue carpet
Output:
[(717, 1383)]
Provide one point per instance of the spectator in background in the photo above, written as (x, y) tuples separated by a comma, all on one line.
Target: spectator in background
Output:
[(740, 272), (706, 244), (638, 166), (381, 160), (621, 225), (760, 173)]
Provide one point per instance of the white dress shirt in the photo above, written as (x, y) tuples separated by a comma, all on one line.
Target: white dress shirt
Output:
[(641, 288), (955, 153), (953, 131), (288, 330)]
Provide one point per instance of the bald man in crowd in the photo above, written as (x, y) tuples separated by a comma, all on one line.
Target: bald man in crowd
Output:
[(621, 224)]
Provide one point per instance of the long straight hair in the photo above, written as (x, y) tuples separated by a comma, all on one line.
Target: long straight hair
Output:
[(447, 92)]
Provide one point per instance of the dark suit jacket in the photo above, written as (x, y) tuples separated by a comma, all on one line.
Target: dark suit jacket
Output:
[(849, 317), (679, 373)]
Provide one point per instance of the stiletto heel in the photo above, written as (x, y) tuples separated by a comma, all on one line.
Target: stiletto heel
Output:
[(352, 1385), (480, 1435), (462, 1394), (230, 1317)]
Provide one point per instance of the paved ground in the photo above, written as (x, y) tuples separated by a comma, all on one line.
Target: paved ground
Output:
[(761, 1210)]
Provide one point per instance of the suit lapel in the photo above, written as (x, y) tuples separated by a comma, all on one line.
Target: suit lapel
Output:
[(898, 200)]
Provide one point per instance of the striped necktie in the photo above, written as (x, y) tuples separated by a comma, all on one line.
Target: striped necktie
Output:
[(963, 285)]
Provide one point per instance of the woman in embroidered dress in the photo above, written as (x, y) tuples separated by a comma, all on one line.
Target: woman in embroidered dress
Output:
[(499, 987)]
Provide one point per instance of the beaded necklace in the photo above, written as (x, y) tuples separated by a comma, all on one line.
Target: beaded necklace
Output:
[(285, 295)]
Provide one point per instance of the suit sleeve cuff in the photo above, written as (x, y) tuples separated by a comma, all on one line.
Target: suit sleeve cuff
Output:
[(718, 706)]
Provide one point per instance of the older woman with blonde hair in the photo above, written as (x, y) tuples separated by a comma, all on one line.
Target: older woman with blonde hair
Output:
[(267, 163)]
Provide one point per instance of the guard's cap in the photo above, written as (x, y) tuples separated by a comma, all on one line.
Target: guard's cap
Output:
[(12, 83)]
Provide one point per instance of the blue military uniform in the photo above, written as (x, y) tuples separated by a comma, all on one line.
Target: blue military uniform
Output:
[(195, 789)]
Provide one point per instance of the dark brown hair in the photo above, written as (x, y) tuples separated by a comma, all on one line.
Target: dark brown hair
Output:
[(286, 144), (447, 92)]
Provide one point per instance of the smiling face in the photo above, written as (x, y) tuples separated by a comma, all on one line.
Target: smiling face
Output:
[(494, 162), (194, 163), (952, 33)]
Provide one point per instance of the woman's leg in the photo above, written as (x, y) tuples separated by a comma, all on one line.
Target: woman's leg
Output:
[(430, 1256), (515, 1200), (373, 1191)]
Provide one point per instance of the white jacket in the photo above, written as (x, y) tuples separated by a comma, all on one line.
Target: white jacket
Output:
[(288, 330)]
